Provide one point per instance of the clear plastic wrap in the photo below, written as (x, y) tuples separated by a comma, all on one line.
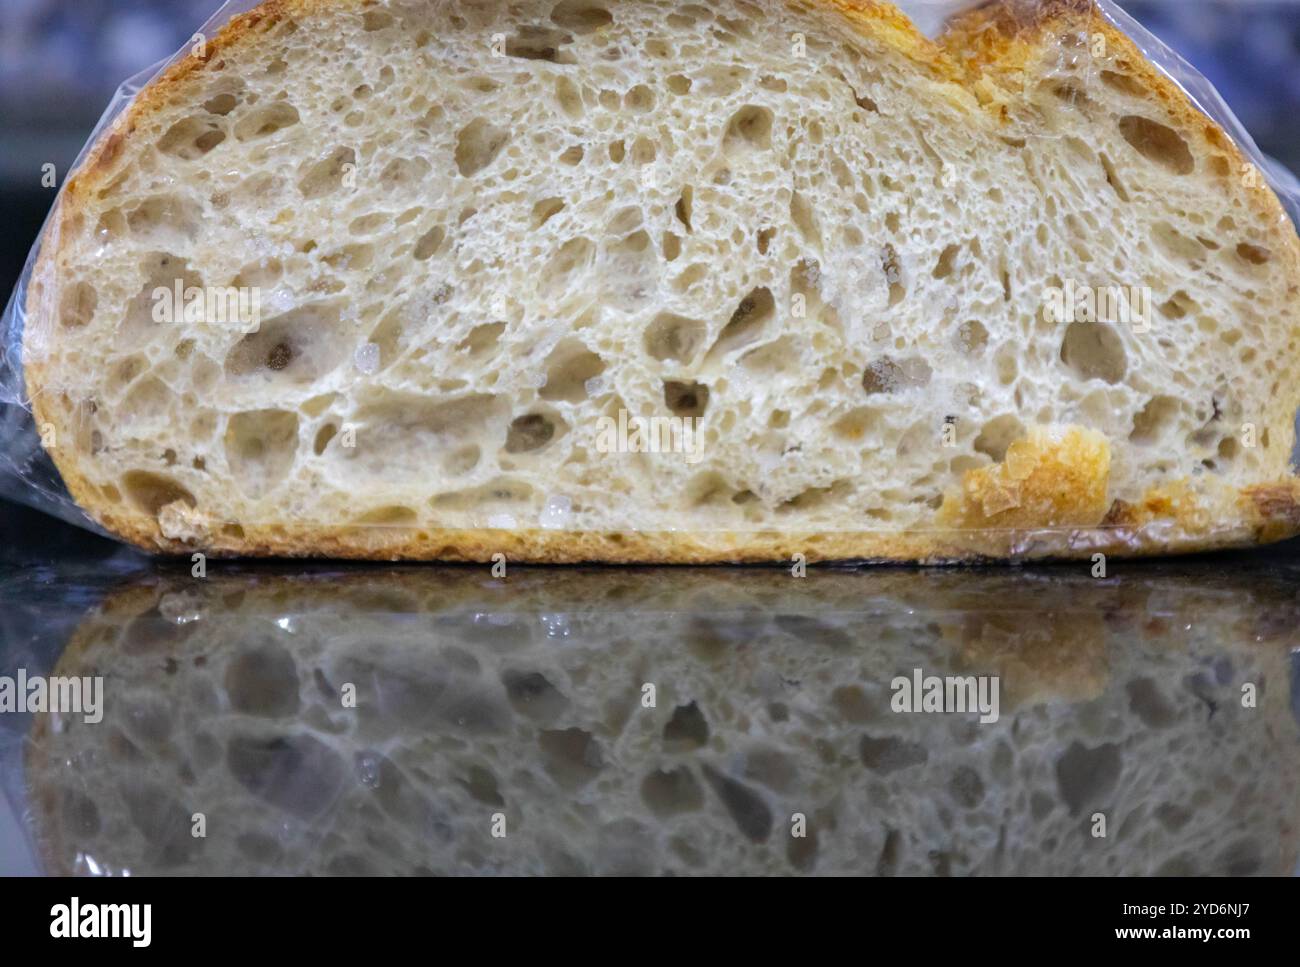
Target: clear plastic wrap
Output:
[(28, 475)]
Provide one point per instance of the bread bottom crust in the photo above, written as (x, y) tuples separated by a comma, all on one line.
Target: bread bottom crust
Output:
[(1153, 538)]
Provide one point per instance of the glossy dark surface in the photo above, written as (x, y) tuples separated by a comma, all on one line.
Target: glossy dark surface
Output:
[(372, 719)]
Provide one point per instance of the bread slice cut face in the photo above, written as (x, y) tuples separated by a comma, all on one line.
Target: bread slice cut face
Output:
[(624, 280)]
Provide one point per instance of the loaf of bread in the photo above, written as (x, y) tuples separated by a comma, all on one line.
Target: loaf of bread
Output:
[(394, 721), (643, 280)]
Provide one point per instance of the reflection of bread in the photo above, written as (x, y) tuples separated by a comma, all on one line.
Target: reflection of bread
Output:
[(523, 697), (480, 229)]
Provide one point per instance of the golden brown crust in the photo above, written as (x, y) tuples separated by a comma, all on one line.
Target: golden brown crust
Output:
[(999, 42), (987, 52)]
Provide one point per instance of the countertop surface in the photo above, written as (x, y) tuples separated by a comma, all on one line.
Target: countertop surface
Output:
[(330, 719)]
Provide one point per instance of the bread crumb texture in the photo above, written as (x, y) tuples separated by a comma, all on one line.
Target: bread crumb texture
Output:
[(638, 280)]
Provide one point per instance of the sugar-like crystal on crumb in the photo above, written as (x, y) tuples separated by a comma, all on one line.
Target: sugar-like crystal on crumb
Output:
[(556, 512), (367, 358)]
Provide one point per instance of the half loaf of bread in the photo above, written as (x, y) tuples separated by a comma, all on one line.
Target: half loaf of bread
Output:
[(630, 280)]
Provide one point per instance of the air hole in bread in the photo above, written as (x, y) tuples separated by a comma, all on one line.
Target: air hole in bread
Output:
[(482, 339), (1112, 177), (997, 435), (545, 209), (1254, 254), (683, 208), (373, 20), (123, 374), (1093, 350), (673, 337), (750, 129), (814, 497), (572, 259), (530, 432), (404, 174), (151, 492), (1069, 93), (429, 243), (323, 437), (263, 681), (1155, 419), (1176, 244), (221, 104), (571, 155), (146, 406), (772, 359), (328, 175), (265, 121), (686, 729), (77, 305), (477, 146), (191, 138), (568, 368), (367, 224), (672, 246), (671, 792), (889, 375), (644, 151), (640, 99), (260, 274), (165, 219), (402, 437), (389, 337), (1158, 143), (801, 213), (298, 346), (355, 257), (972, 337), (1124, 83), (536, 42), (111, 226), (679, 84), (261, 447), (947, 259), (708, 489), (746, 324), (568, 97), (571, 757), (393, 515), (530, 694), (502, 491), (317, 405), (686, 399), (1177, 306), (854, 425), (624, 221)]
